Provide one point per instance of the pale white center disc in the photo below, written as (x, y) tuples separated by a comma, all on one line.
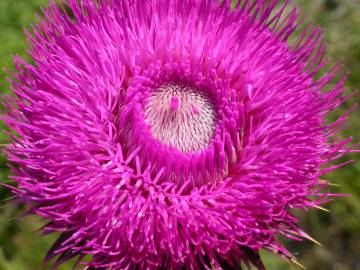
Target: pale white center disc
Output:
[(181, 117)]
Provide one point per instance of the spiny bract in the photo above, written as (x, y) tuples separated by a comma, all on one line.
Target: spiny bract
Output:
[(172, 134)]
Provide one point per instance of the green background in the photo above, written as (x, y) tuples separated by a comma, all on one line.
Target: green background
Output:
[(22, 247)]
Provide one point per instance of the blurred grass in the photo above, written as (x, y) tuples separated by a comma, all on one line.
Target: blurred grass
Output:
[(23, 248)]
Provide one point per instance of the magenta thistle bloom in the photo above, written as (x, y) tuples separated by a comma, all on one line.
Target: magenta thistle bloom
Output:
[(172, 134)]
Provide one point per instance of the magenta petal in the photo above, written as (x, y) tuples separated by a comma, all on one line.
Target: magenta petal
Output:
[(172, 134)]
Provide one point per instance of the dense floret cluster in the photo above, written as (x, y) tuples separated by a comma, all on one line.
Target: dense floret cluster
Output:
[(172, 134)]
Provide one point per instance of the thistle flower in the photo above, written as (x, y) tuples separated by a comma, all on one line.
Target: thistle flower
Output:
[(172, 134)]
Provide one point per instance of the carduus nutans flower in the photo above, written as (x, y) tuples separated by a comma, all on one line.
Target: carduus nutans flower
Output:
[(173, 134)]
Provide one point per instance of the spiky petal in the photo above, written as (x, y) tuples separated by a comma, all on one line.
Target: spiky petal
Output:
[(244, 133)]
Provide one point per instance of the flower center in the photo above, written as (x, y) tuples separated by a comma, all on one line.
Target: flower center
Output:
[(181, 123), (181, 117)]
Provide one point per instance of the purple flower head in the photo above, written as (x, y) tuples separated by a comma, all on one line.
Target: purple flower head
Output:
[(173, 134)]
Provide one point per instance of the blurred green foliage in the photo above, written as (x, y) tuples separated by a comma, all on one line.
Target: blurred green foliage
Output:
[(22, 247)]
